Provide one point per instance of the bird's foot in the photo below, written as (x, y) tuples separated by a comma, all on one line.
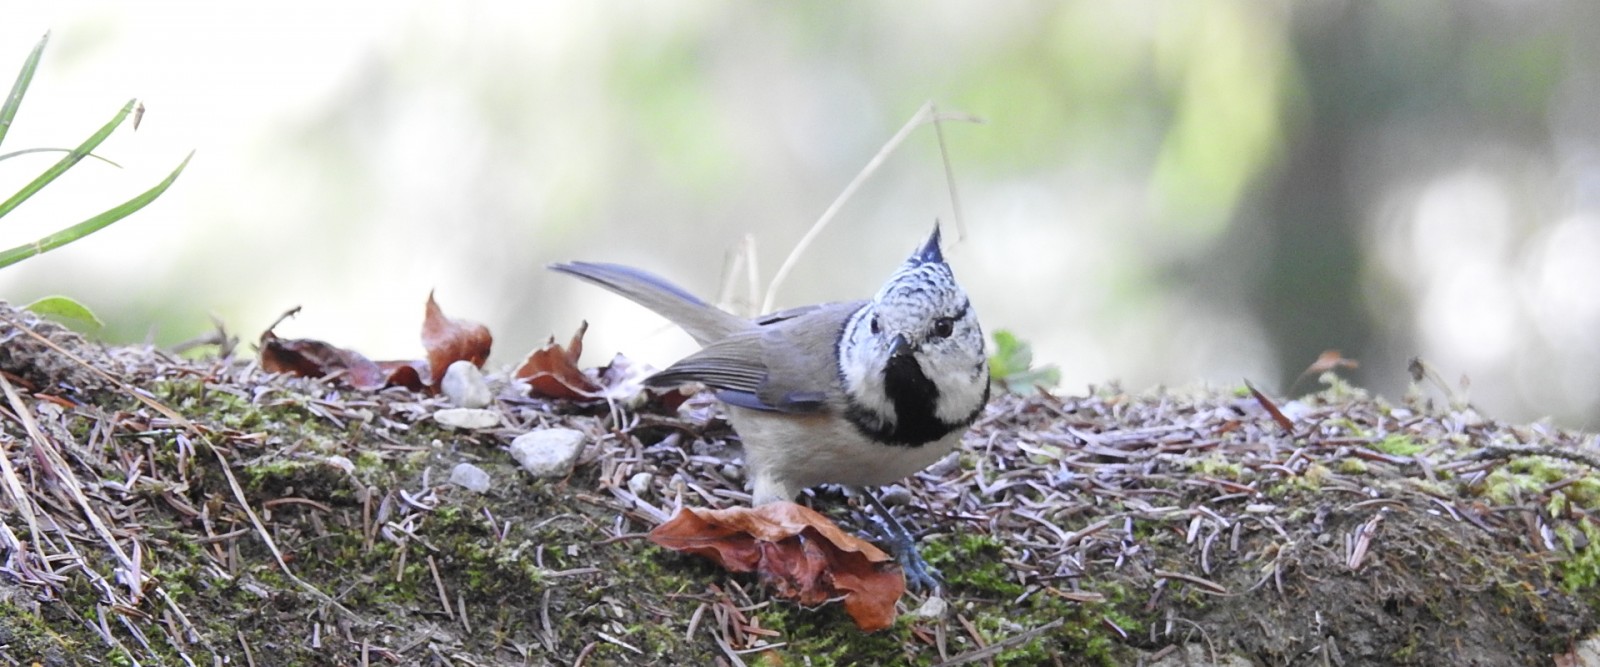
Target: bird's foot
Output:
[(920, 576)]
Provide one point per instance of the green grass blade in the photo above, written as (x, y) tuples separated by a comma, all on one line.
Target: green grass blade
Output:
[(18, 89), (92, 225), (26, 151), (65, 163)]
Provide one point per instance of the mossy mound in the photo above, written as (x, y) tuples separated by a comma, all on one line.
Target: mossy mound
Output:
[(288, 521)]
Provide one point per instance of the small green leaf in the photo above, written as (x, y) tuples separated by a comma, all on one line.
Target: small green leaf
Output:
[(1011, 366), (66, 311)]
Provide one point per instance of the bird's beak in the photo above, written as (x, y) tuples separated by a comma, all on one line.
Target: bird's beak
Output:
[(899, 347)]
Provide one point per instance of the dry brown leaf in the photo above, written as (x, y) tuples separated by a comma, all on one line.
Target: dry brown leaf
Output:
[(624, 378), (1329, 360), (800, 553), (314, 358), (1272, 408), (552, 371), (449, 340)]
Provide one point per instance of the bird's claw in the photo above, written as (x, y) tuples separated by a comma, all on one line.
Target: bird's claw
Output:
[(920, 576)]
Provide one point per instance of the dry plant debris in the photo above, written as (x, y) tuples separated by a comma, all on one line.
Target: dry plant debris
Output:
[(801, 554), (159, 510), (445, 341), (552, 371)]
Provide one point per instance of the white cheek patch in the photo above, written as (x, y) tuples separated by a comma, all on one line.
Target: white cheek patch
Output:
[(961, 389), (863, 375)]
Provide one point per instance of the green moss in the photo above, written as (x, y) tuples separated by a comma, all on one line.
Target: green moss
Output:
[(1506, 486), (1580, 571), (1585, 492), (33, 640), (1543, 470), (1352, 466), (1397, 444), (1350, 427), (1214, 465)]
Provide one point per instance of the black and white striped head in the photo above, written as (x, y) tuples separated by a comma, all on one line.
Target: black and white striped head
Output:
[(912, 360)]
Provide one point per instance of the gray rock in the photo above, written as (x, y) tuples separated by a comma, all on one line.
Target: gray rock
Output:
[(470, 477), (640, 483), (1587, 652), (548, 452), (467, 418), (463, 384), (933, 608), (894, 496)]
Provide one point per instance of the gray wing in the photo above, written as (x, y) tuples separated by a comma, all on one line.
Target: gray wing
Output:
[(788, 364)]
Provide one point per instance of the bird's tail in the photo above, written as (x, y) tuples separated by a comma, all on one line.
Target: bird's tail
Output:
[(704, 322)]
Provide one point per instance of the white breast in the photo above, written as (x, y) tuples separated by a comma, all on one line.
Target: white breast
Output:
[(785, 453)]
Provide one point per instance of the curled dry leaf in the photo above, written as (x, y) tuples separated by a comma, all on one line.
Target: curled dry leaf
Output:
[(624, 378), (800, 553), (552, 371), (1329, 360), (449, 340), (314, 358)]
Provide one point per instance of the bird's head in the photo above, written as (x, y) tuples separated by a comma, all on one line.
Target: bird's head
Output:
[(912, 360)]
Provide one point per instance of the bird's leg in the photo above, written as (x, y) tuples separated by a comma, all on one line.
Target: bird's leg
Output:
[(920, 575)]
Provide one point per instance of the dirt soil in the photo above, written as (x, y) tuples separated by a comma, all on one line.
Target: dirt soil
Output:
[(165, 511)]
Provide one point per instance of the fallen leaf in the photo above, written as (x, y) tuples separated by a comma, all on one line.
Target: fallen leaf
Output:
[(1329, 360), (449, 340), (800, 553), (552, 371), (1272, 408), (624, 378), (406, 374), (314, 358)]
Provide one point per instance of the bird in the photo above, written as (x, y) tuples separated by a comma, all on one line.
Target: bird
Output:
[(858, 393)]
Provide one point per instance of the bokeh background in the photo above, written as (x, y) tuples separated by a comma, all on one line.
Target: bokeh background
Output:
[(1164, 193)]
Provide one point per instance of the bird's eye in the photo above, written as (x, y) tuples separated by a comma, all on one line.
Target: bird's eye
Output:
[(943, 327), (875, 327)]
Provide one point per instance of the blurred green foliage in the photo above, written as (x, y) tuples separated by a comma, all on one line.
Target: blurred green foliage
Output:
[(1011, 366)]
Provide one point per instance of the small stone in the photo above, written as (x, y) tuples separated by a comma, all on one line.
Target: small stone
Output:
[(470, 477), (932, 608), (467, 418), (464, 386), (342, 463), (640, 483), (548, 452), (732, 472), (893, 496), (1296, 411), (943, 467)]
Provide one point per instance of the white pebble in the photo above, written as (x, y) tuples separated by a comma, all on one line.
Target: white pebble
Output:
[(464, 385), (946, 465), (467, 418), (470, 477), (640, 483), (894, 496), (932, 608), (548, 452), (342, 463)]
